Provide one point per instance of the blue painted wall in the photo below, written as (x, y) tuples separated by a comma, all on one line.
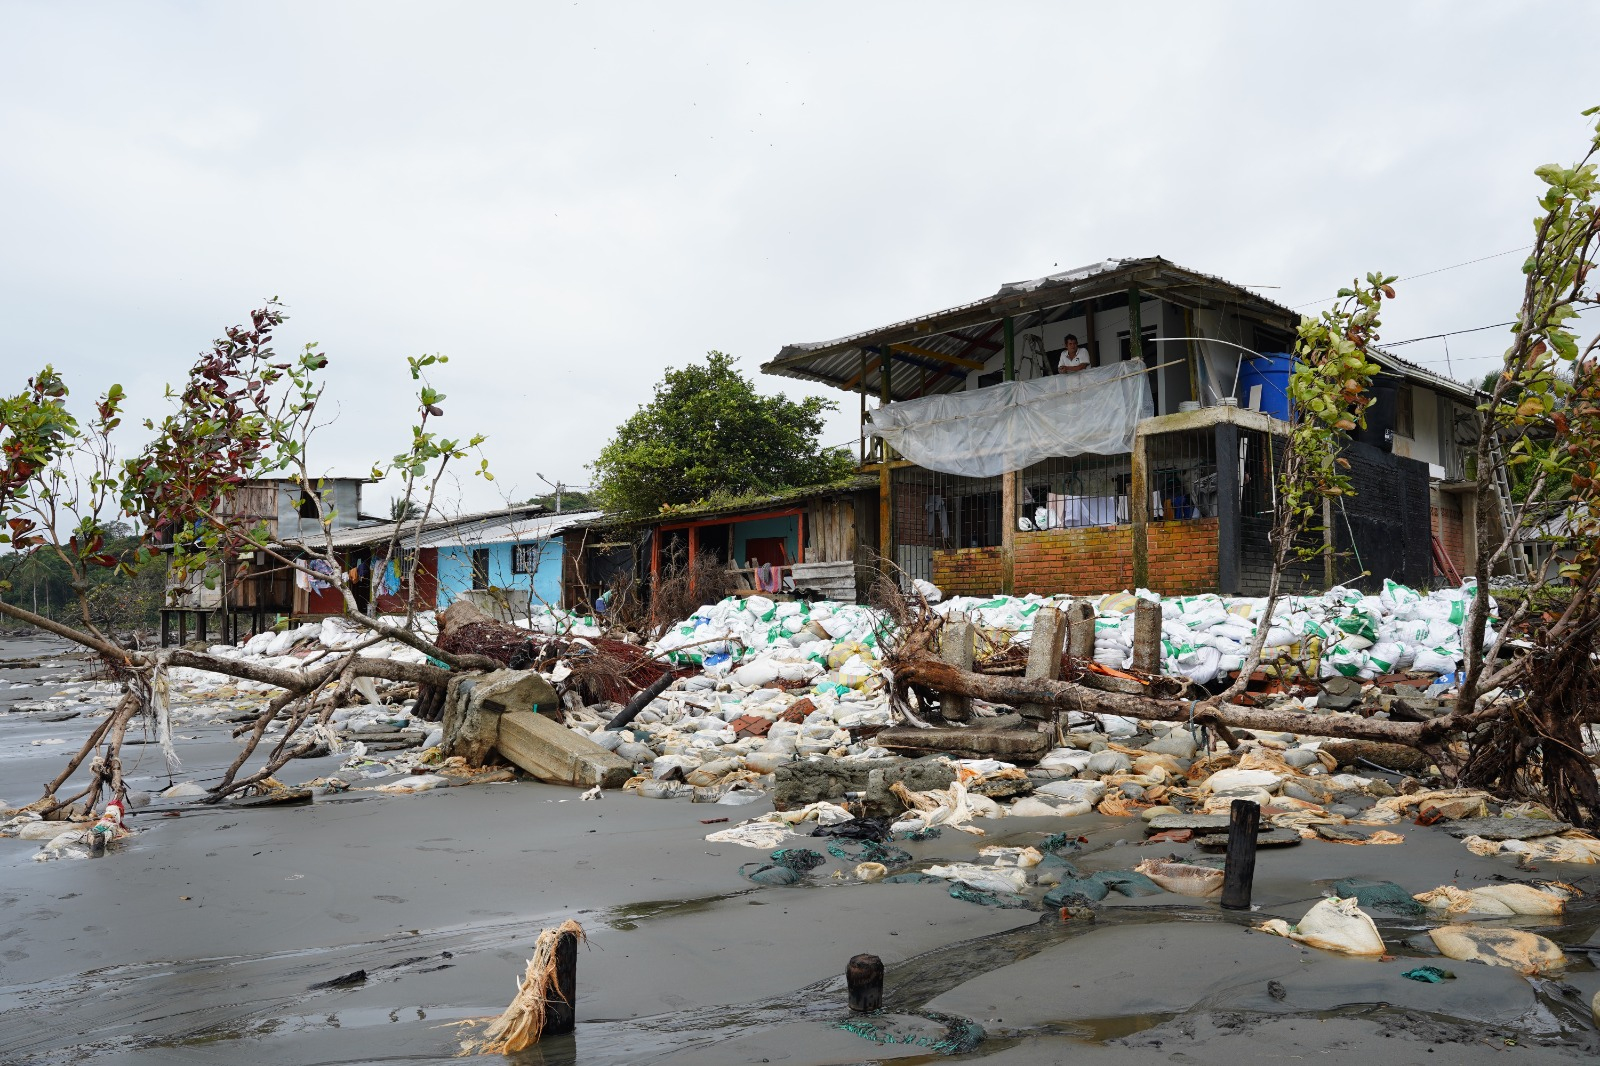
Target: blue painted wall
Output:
[(787, 528), (455, 572)]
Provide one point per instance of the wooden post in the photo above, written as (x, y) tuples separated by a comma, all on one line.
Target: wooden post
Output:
[(1329, 572), (1147, 637), (166, 628), (885, 475), (1088, 327), (201, 619), (1193, 357), (1139, 512), (1008, 532), (956, 648), (1080, 627), (1238, 876), (864, 977), (1044, 654), (183, 627), (561, 998), (1229, 509), (1136, 337), (1010, 335)]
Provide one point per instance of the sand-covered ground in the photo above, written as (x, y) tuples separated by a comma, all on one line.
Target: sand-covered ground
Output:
[(197, 940)]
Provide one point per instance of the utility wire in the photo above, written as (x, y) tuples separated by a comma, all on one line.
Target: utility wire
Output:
[(1426, 273), (1452, 333)]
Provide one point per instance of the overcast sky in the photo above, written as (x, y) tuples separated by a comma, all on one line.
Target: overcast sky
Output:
[(567, 198)]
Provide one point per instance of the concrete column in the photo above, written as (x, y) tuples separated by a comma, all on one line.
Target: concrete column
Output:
[(1080, 628), (1147, 637), (956, 640), (1044, 654)]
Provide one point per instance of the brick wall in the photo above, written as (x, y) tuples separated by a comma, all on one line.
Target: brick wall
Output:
[(1183, 559), (1449, 524), (967, 571), (1183, 556), (1089, 559)]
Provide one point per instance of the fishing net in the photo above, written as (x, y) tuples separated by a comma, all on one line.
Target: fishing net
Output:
[(933, 832), (958, 1037), (765, 873), (868, 851), (1058, 842), (801, 860), (912, 879), (787, 866), (1098, 886), (856, 829), (1378, 895), (1084, 889)]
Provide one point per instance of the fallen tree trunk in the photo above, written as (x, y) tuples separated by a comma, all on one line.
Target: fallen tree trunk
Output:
[(1068, 696)]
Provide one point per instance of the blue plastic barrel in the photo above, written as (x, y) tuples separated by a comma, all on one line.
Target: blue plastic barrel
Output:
[(1271, 371)]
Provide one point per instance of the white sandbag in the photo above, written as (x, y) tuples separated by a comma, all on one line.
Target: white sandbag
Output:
[(1332, 925), (1182, 878), (1234, 778), (756, 673), (1527, 953), (1090, 792), (983, 878), (1434, 661)]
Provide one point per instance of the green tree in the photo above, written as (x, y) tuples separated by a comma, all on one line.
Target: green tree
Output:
[(571, 500), (706, 435)]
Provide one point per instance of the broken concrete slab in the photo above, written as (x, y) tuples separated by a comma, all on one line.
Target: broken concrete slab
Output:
[(553, 753), (811, 780), (1506, 828), (973, 742)]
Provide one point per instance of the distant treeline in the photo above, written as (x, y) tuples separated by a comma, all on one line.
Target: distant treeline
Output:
[(40, 581)]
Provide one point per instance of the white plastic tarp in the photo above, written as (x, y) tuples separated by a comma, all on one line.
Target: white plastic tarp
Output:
[(1006, 427)]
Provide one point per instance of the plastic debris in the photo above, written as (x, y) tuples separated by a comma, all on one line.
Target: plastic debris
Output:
[(1430, 974)]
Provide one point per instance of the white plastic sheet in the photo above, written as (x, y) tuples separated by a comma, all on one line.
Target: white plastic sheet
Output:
[(1006, 427)]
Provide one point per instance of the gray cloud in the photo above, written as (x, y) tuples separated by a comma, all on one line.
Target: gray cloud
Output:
[(567, 198)]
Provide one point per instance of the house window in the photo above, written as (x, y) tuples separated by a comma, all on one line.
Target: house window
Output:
[(525, 558), (480, 568), (308, 505), (1404, 413)]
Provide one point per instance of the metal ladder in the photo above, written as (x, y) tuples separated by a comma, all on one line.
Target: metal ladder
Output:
[(1517, 554)]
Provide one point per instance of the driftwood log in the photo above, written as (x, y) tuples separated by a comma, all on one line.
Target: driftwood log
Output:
[(924, 672)]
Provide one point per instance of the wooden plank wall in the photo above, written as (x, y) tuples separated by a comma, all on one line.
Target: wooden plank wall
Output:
[(831, 530)]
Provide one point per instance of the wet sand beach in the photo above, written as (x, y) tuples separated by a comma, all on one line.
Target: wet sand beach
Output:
[(198, 939)]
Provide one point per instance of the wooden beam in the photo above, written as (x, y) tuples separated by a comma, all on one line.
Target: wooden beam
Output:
[(866, 368), (940, 356)]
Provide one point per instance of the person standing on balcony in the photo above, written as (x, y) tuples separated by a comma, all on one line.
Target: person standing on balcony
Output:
[(1073, 358)]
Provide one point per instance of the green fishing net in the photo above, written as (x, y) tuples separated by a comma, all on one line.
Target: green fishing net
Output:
[(1378, 895)]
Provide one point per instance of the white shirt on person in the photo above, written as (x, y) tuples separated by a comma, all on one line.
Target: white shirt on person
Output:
[(1070, 362)]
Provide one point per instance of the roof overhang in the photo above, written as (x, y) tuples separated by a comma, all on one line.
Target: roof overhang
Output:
[(959, 339)]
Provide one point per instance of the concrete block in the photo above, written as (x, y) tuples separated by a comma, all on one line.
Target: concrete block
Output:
[(552, 752)]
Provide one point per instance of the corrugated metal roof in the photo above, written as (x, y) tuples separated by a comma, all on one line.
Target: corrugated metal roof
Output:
[(506, 531), (1430, 378), (969, 333), (382, 532), (958, 339)]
